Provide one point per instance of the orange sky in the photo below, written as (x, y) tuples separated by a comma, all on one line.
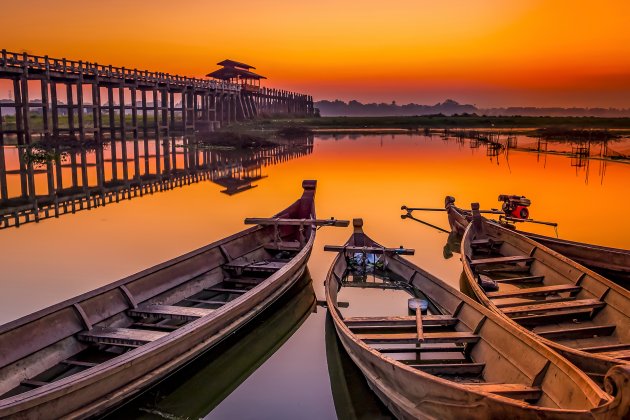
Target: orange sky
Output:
[(486, 52)]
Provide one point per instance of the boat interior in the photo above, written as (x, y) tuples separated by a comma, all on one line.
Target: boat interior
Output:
[(453, 340), (101, 325), (547, 294)]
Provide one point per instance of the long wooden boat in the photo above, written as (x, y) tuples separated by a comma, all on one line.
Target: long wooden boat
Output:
[(612, 263), (466, 361), (198, 388), (574, 310), (85, 355)]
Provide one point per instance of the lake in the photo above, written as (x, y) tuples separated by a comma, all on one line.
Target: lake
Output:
[(281, 367)]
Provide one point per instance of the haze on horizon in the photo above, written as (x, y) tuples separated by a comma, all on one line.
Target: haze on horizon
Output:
[(490, 53)]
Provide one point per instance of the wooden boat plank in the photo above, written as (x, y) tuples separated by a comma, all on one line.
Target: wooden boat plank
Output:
[(436, 337), (556, 306), (283, 246), (206, 301), (79, 363), (535, 291), (502, 305), (484, 242), (516, 391), (260, 266), (121, 336), (427, 320), (512, 259), (579, 332), (554, 317), (225, 290), (32, 383), (251, 281), (421, 349), (451, 368), (524, 279), (609, 347), (170, 312), (620, 354)]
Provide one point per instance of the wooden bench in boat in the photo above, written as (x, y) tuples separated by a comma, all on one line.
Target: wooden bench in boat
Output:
[(436, 337), (226, 290), (478, 243), (206, 301), (552, 318), (169, 311), (535, 291), (513, 259), (607, 348), (78, 363), (555, 306), (515, 391), (258, 266), (427, 320), (123, 336), (527, 302), (249, 281), (450, 368), (283, 246), (579, 332), (369, 249), (421, 349), (518, 280)]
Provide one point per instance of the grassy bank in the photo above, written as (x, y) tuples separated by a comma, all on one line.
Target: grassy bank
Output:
[(438, 122)]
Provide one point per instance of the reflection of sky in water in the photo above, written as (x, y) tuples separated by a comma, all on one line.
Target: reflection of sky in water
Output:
[(369, 177)]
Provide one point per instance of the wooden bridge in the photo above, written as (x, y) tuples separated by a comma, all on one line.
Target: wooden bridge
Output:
[(102, 100)]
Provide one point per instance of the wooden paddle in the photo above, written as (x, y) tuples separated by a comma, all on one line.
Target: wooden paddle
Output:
[(418, 305)]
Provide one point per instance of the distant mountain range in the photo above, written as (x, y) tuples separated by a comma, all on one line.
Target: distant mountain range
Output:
[(450, 107)]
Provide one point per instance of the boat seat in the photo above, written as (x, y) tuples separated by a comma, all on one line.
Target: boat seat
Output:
[(555, 306), (459, 369), (258, 266), (427, 320), (32, 383), (123, 336), (225, 290), (436, 337), (170, 312), (530, 301), (250, 281), (283, 246), (78, 363), (525, 279), (552, 318), (206, 301), (621, 354), (515, 391), (535, 291), (512, 259), (478, 243), (576, 333), (607, 348), (455, 348)]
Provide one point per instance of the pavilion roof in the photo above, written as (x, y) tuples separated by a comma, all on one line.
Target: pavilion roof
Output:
[(232, 63), (227, 73)]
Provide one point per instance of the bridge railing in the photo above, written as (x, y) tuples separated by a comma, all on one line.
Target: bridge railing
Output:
[(64, 66)]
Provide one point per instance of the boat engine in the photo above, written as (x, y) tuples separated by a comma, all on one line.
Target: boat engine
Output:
[(515, 206)]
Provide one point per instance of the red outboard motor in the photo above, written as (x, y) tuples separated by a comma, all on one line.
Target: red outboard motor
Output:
[(515, 206)]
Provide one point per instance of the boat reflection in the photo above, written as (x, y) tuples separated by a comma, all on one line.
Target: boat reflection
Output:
[(51, 181), (352, 396), (198, 388)]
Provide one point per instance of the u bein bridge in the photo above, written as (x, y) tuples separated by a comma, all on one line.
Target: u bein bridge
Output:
[(108, 174), (81, 98)]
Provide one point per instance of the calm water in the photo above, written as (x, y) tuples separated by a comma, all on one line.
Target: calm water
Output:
[(283, 367)]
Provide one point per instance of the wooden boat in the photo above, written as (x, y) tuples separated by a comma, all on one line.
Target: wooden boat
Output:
[(572, 309), (198, 388), (467, 361), (85, 355), (612, 263)]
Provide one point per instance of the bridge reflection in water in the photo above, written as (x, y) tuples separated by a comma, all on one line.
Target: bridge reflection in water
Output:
[(82, 178)]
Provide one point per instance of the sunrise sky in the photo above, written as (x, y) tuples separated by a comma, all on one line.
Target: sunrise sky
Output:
[(484, 52)]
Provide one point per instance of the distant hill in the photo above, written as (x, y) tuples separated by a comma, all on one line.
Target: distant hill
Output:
[(450, 107)]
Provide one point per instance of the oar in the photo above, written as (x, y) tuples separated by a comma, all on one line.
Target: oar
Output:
[(418, 305), (412, 209), (409, 216)]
